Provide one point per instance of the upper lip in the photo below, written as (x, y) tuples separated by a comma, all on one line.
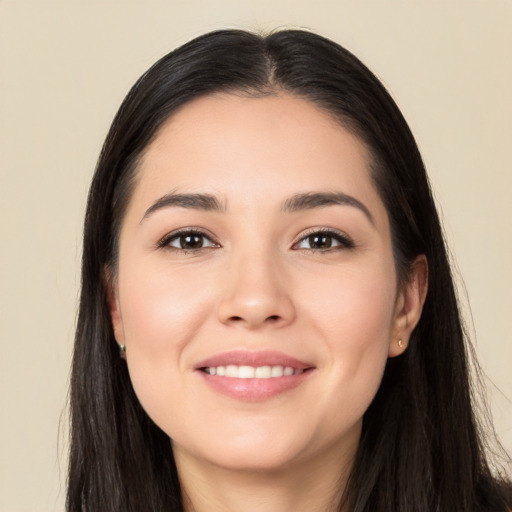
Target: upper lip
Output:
[(253, 358)]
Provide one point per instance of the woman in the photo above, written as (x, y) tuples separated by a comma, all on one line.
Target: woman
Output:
[(268, 319)]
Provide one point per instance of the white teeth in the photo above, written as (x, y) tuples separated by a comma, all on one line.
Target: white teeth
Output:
[(246, 372), (231, 371), (277, 371), (250, 372), (263, 372)]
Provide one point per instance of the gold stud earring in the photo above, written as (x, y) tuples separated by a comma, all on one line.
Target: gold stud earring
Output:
[(400, 343), (122, 351)]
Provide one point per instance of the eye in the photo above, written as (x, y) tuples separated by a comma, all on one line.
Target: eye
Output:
[(189, 240), (324, 240)]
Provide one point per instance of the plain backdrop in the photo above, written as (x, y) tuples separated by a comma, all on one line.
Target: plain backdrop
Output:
[(64, 69)]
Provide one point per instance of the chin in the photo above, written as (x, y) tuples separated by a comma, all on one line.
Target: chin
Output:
[(255, 451), (253, 461)]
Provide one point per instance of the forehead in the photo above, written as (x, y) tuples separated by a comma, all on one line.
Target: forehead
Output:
[(246, 148)]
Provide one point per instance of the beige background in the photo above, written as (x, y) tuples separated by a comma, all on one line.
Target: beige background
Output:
[(64, 69)]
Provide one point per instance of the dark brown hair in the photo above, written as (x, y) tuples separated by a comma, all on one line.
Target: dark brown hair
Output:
[(420, 450)]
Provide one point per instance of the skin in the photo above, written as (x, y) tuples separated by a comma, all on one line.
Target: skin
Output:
[(258, 285)]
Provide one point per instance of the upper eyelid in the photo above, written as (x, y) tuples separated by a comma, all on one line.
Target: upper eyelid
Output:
[(324, 230), (341, 236), (181, 231)]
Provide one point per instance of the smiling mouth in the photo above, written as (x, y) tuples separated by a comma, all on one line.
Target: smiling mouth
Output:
[(252, 372), (254, 376)]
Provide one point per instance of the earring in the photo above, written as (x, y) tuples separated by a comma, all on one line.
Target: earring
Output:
[(122, 351), (400, 343)]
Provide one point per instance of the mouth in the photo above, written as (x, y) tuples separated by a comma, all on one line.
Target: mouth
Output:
[(253, 376), (251, 372)]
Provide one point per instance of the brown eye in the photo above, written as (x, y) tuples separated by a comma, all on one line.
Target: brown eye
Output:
[(188, 241), (324, 241), (320, 241), (191, 241)]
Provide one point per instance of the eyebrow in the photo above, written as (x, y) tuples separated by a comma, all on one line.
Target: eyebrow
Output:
[(298, 202), (205, 202), (312, 200)]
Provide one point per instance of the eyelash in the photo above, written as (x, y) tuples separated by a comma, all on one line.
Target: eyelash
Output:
[(344, 241), (164, 243)]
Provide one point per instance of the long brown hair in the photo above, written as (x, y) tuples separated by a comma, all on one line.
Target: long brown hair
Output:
[(421, 449)]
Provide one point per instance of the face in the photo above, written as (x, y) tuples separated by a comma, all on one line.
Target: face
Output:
[(256, 291)]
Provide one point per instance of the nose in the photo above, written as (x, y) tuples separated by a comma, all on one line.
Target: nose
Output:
[(256, 293)]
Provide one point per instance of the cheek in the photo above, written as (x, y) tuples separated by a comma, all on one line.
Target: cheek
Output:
[(355, 306), (162, 308), (162, 312), (354, 315)]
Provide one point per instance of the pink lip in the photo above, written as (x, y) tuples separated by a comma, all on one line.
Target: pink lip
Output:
[(253, 389), (248, 358)]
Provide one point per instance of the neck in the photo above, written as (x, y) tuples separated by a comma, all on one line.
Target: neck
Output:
[(312, 486)]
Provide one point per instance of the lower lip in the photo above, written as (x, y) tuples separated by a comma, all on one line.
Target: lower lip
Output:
[(254, 390)]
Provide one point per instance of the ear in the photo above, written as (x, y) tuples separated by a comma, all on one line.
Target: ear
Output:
[(409, 305), (113, 306)]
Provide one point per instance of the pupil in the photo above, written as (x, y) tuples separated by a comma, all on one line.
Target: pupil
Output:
[(191, 241), (320, 241)]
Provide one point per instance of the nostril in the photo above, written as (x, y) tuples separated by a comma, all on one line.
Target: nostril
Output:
[(272, 318)]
